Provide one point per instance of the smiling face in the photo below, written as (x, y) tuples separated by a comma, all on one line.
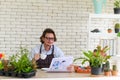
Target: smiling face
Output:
[(48, 39)]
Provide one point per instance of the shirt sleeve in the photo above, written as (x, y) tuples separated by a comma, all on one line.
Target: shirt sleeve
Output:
[(34, 51), (58, 52)]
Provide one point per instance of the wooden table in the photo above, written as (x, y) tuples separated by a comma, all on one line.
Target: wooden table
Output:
[(43, 75)]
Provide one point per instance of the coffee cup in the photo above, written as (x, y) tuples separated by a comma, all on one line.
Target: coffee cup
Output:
[(43, 56)]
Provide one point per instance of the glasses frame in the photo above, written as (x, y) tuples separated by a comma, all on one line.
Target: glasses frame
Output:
[(48, 38)]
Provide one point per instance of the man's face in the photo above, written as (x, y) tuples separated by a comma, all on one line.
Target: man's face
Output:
[(49, 39)]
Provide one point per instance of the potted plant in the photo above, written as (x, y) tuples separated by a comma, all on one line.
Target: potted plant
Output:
[(22, 66), (1, 68), (1, 64), (107, 71), (114, 70), (117, 27), (117, 7), (18, 65), (109, 30), (118, 34), (95, 59)]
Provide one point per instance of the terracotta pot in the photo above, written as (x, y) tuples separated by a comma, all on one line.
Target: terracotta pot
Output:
[(114, 73), (107, 73), (109, 30)]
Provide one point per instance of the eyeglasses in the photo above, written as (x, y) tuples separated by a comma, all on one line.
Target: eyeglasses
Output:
[(48, 38)]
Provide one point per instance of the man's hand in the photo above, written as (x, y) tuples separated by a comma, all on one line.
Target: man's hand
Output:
[(37, 56), (71, 68)]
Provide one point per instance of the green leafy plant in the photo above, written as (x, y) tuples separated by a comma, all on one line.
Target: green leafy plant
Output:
[(21, 62), (94, 61), (117, 3), (96, 57), (118, 34), (1, 65)]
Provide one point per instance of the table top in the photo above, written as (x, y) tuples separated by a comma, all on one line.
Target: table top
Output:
[(43, 74)]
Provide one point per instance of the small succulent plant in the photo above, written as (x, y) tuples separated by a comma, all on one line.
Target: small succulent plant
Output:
[(107, 66), (114, 67)]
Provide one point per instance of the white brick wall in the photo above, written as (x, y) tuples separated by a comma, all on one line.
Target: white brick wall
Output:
[(22, 22)]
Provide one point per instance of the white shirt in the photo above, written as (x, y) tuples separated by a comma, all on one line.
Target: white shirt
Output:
[(57, 51)]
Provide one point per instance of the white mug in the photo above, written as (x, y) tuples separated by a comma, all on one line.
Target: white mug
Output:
[(43, 56)]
